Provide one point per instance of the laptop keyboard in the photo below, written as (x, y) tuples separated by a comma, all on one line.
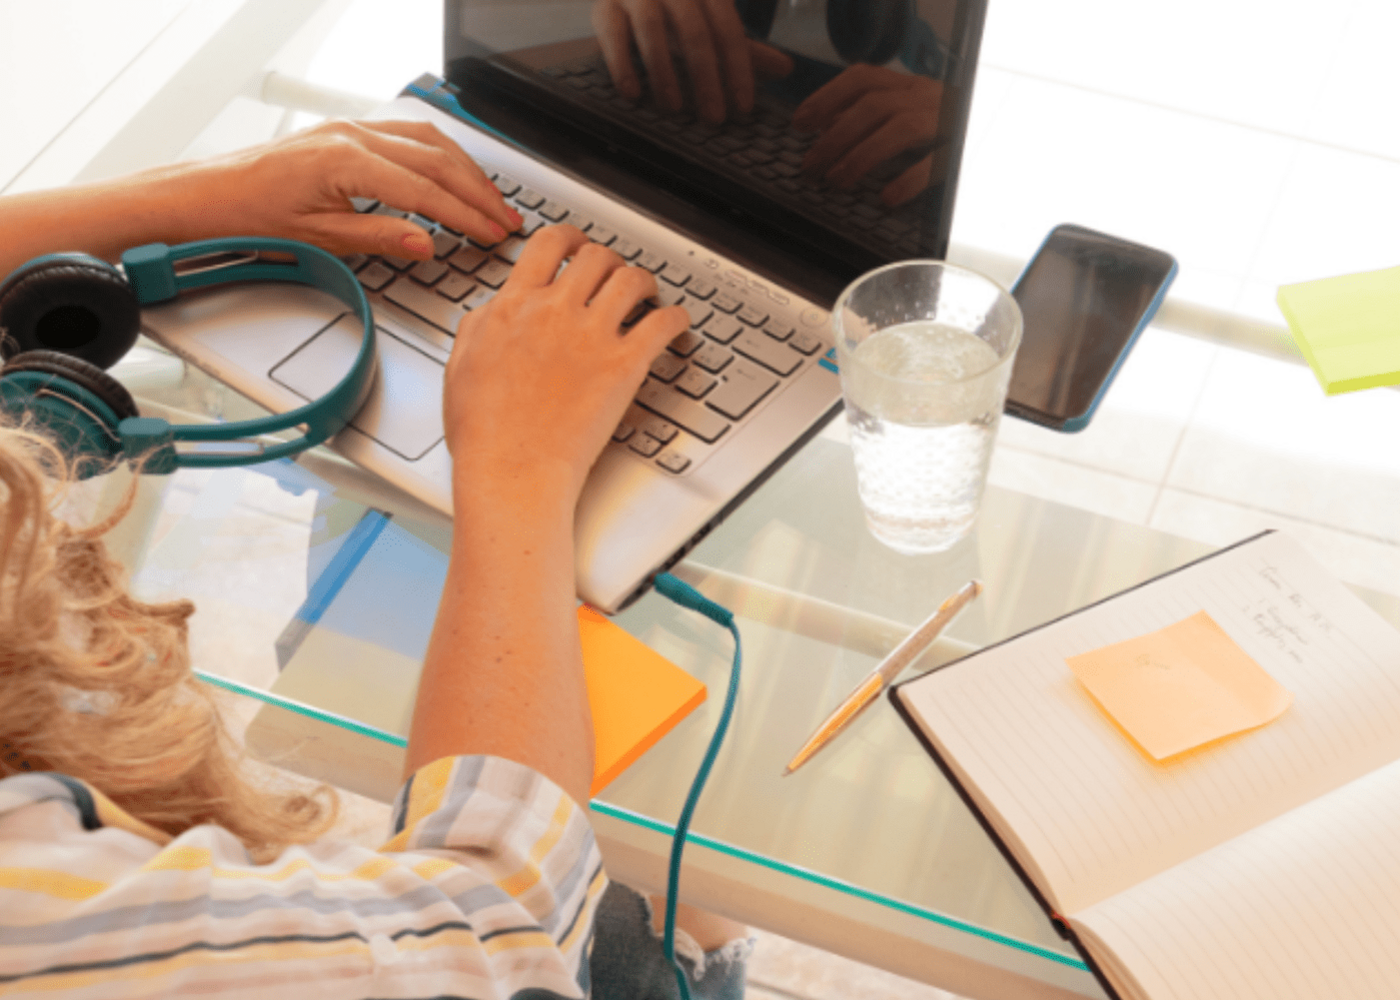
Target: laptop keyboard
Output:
[(735, 354), (762, 150)]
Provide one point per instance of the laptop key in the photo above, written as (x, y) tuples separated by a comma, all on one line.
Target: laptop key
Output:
[(468, 259), (712, 358), (752, 315), (644, 446), (742, 388), (493, 273), (444, 244), (623, 432), (478, 297), (672, 461), (700, 288), (426, 305), (675, 275), (579, 221), (660, 429), (722, 329), (375, 276), (778, 329), (690, 417), (529, 198), (686, 343), (426, 272), (666, 367), (769, 353), (695, 383), (553, 211), (805, 342), (511, 249), (727, 303), (699, 311), (626, 249), (668, 296), (455, 286), (507, 185), (652, 261), (601, 234)]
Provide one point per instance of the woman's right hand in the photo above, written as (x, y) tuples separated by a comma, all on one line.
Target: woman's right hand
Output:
[(541, 375)]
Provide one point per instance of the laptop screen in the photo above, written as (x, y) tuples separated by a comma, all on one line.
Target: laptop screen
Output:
[(812, 140)]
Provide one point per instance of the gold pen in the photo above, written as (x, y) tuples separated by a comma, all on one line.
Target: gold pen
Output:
[(890, 668)]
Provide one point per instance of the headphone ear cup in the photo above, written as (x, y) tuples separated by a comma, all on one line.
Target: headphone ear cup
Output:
[(75, 403), (81, 373), (868, 31), (73, 303)]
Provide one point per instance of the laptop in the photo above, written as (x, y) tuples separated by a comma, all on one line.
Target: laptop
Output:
[(736, 233)]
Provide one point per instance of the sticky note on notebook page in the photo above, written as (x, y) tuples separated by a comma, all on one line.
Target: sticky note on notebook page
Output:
[(1180, 687), (1347, 327), (636, 694)]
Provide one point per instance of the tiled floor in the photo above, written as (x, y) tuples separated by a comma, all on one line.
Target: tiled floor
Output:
[(1254, 140)]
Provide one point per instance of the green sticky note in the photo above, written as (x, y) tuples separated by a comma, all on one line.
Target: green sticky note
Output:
[(1348, 328)]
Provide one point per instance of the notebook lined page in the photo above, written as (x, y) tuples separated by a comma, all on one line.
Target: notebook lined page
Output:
[(1093, 814), (1306, 906)]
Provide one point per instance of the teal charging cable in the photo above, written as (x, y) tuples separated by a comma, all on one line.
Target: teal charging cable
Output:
[(687, 596)]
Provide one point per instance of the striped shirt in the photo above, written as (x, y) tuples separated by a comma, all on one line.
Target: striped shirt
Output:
[(487, 890)]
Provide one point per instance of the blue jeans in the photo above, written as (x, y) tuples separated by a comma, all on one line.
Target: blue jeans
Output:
[(628, 962)]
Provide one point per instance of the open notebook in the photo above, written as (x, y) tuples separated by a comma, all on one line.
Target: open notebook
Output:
[(1266, 865)]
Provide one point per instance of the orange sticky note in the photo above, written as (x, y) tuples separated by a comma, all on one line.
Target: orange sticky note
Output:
[(636, 694), (1180, 687)]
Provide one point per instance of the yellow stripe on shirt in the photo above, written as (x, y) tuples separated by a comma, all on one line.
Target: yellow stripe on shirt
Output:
[(525, 879), (424, 798), (194, 858), (60, 885), (595, 889)]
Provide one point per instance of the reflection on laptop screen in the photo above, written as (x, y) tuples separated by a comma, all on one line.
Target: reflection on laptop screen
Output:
[(843, 151)]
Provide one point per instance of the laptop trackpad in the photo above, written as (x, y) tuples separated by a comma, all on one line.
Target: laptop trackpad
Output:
[(404, 411)]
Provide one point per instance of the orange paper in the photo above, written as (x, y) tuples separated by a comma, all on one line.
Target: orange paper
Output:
[(1181, 687), (636, 694)]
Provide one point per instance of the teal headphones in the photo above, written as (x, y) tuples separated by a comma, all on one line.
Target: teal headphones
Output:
[(65, 317)]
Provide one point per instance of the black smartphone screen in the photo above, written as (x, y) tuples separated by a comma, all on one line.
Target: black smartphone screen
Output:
[(1084, 299)]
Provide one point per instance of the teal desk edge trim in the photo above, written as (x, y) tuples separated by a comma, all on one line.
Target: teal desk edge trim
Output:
[(300, 708), (806, 874), (637, 819)]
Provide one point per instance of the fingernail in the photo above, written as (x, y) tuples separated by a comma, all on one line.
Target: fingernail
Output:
[(417, 243), (497, 231), (516, 219)]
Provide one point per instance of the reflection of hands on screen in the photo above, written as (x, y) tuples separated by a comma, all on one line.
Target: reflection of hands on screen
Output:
[(866, 116), (720, 62)]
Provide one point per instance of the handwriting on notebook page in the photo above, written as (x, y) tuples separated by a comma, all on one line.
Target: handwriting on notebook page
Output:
[(1284, 617)]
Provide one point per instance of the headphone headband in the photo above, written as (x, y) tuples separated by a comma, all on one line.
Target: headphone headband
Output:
[(158, 273), (69, 316)]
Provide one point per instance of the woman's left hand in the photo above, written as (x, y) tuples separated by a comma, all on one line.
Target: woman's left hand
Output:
[(300, 188)]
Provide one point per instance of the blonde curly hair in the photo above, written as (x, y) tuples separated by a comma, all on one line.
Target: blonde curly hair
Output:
[(97, 684)]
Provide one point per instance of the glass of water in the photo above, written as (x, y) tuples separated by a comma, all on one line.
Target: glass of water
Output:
[(926, 350)]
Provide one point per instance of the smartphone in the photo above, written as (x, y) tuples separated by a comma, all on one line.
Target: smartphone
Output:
[(1085, 296)]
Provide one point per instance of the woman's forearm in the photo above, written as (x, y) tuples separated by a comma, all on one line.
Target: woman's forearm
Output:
[(101, 219), (504, 673)]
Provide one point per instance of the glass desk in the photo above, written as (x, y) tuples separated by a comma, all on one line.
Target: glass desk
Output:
[(317, 584)]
